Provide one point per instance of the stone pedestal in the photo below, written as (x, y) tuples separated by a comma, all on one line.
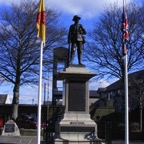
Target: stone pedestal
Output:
[(76, 127)]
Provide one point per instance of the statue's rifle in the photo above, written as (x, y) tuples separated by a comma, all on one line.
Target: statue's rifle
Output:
[(69, 53)]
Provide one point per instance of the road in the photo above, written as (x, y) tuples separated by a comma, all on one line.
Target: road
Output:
[(33, 140), (19, 140)]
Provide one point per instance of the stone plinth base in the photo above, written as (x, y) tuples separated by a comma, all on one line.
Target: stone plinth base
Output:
[(76, 128), (61, 141)]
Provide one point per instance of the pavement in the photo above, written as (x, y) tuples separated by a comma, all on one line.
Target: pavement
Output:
[(130, 142), (33, 140), (19, 140)]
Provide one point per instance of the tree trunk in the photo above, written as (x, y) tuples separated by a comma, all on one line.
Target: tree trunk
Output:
[(15, 102), (141, 113), (141, 119)]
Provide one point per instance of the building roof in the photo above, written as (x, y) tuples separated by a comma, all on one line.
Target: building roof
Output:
[(101, 90), (139, 75), (3, 98), (116, 85), (93, 94)]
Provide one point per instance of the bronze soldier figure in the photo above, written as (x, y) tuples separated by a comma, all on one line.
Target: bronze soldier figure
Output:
[(76, 38)]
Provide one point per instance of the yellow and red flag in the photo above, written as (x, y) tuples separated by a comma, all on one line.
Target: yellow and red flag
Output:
[(41, 21)]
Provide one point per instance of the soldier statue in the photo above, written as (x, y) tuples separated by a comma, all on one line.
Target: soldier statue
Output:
[(76, 39)]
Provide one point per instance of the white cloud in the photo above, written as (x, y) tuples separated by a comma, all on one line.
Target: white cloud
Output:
[(29, 94), (85, 8), (94, 85), (7, 2)]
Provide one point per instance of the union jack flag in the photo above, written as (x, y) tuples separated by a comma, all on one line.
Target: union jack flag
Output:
[(125, 34)]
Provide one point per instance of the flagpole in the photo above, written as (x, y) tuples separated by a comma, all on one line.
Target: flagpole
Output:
[(125, 50), (126, 104), (41, 26), (40, 96)]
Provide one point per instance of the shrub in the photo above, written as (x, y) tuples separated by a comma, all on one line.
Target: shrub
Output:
[(134, 126)]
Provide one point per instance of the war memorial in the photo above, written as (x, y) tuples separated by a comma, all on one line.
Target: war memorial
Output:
[(76, 127)]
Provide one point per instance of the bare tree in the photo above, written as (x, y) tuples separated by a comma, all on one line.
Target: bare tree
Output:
[(140, 41), (20, 47), (104, 51)]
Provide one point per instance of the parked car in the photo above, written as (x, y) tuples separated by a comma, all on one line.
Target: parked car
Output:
[(28, 122), (1, 122)]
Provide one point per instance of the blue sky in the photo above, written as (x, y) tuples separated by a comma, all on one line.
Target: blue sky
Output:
[(88, 10)]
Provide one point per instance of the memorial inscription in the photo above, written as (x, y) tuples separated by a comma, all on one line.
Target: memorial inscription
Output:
[(9, 128), (76, 96)]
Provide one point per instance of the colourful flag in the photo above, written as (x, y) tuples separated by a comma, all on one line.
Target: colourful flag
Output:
[(125, 34), (41, 21)]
